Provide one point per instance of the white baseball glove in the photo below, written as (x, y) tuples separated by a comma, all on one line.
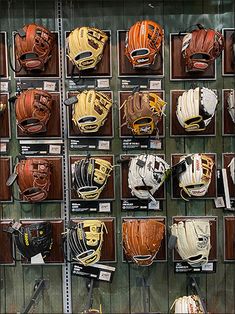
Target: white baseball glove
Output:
[(196, 108), (195, 180), (187, 305), (193, 241), (146, 175), (231, 105)]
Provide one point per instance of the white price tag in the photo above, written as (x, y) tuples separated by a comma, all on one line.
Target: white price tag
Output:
[(154, 205), (54, 149), (208, 266), (155, 144), (3, 86), (104, 207), (219, 202), (3, 147), (104, 275), (37, 259), (49, 86), (105, 145), (155, 84), (103, 83)]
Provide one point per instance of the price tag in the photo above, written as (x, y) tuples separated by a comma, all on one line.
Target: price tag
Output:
[(154, 205), (103, 83), (37, 259), (55, 149), (50, 86), (155, 144), (208, 267), (104, 275), (156, 84), (3, 86), (3, 147), (105, 145), (104, 207), (219, 202)]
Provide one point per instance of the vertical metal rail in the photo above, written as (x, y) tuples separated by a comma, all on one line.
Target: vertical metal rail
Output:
[(65, 214)]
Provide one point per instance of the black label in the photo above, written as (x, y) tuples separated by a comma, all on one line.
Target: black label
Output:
[(183, 267), (90, 144), (141, 143), (97, 272), (92, 206), (139, 205), (141, 83), (40, 149), (24, 84)]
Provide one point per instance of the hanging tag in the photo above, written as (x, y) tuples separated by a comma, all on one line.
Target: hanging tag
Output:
[(37, 259), (70, 101), (172, 242), (11, 179)]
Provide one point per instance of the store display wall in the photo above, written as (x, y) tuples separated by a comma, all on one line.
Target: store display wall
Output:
[(125, 294)]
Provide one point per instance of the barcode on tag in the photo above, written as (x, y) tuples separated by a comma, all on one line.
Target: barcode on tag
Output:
[(49, 86), (54, 149), (3, 147), (154, 205), (208, 266), (104, 145), (155, 144), (103, 83), (155, 84), (104, 207), (3, 86), (104, 275)]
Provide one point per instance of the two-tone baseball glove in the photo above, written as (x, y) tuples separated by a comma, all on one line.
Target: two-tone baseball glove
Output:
[(200, 48), (231, 105), (196, 177), (142, 239), (146, 174), (33, 178), (33, 239), (196, 108), (34, 44), (190, 304), (33, 111), (193, 241), (142, 112), (85, 47), (91, 110), (85, 240), (143, 43), (89, 176)]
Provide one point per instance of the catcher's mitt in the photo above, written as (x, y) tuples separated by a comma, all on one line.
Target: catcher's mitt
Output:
[(2, 108), (85, 241), (196, 178), (34, 44), (146, 174), (91, 110), (231, 167), (231, 105), (187, 304), (85, 46), (33, 110), (193, 241), (142, 239), (143, 42), (89, 176), (142, 112), (196, 108), (34, 239), (200, 48), (33, 178)]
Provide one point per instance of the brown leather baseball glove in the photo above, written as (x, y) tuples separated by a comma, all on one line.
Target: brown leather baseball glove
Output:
[(143, 42), (33, 44), (33, 178), (142, 239), (200, 48), (143, 111), (33, 110)]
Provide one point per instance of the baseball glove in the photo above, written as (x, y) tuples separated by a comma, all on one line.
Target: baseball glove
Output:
[(231, 167), (193, 241), (143, 42), (142, 239), (33, 110), (186, 305), (92, 311), (34, 239), (2, 108), (85, 240), (91, 110), (231, 105), (142, 112), (196, 108), (34, 44), (196, 178), (89, 176), (85, 47), (146, 174), (33, 178), (200, 48)]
